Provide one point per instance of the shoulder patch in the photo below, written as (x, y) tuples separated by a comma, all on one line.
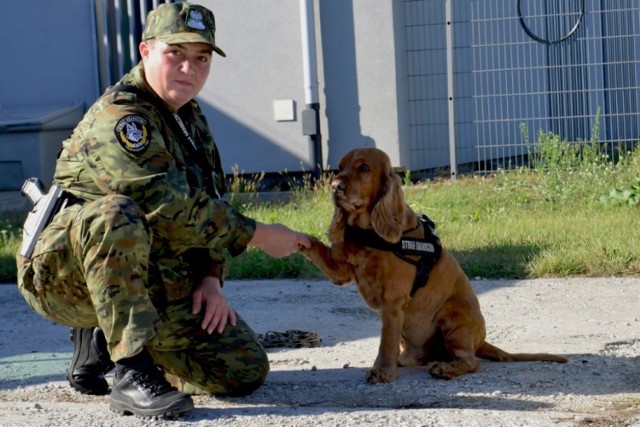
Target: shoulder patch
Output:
[(132, 132)]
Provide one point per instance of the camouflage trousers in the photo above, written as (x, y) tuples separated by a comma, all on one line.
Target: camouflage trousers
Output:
[(90, 268)]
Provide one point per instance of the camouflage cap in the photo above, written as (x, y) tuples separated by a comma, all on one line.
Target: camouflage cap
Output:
[(175, 23)]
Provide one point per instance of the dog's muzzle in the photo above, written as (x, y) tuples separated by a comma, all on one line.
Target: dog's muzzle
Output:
[(338, 186)]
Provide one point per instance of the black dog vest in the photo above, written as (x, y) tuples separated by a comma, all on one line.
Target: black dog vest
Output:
[(428, 248)]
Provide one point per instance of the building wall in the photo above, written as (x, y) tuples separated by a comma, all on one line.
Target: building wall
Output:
[(49, 53), (364, 90), (262, 41), (48, 76), (359, 102), (381, 70), (53, 60)]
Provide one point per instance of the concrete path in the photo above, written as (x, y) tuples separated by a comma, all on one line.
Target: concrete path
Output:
[(594, 322)]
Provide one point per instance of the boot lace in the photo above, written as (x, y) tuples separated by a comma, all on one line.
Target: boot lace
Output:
[(152, 380)]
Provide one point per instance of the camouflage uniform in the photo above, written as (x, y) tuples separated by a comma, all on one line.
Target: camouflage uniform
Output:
[(144, 226)]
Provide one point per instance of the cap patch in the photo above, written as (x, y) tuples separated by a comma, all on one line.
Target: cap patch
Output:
[(195, 20), (132, 133)]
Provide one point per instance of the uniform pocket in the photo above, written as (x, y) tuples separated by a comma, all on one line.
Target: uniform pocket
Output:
[(54, 277)]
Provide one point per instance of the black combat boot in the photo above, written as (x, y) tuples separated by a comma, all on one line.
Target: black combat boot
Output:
[(90, 361), (140, 388)]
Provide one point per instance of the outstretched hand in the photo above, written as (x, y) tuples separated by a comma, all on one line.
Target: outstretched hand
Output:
[(278, 240)]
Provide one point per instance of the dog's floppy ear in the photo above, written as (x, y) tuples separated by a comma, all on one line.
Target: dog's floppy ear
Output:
[(337, 226), (388, 215)]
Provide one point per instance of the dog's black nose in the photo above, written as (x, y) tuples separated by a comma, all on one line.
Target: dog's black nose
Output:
[(337, 186)]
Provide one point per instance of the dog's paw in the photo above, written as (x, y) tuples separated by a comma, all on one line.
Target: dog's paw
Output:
[(408, 360), (380, 375), (441, 370), (315, 243)]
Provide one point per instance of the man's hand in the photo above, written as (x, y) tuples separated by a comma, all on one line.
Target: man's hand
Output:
[(217, 312), (278, 240)]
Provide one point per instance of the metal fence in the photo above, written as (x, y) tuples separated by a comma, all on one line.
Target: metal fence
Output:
[(520, 67), (119, 25), (561, 66)]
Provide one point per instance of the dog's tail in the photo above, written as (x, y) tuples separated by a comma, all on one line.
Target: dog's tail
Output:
[(491, 352)]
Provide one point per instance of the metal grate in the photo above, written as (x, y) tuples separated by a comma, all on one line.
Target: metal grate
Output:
[(537, 65), (118, 27), (553, 66), (427, 73)]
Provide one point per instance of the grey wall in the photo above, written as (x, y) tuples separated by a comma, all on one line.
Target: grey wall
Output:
[(50, 59), (360, 77), (47, 78), (264, 63), (358, 81), (49, 55)]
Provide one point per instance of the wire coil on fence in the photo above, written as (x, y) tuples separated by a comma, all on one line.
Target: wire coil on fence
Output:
[(549, 41)]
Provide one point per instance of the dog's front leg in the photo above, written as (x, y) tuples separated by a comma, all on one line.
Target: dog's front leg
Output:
[(385, 368), (325, 258)]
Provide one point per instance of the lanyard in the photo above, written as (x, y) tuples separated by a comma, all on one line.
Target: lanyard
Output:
[(185, 131), (195, 148)]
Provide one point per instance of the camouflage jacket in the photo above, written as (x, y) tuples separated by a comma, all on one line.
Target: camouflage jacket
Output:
[(123, 146)]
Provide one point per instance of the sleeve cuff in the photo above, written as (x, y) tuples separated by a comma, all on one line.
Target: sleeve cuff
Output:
[(241, 243)]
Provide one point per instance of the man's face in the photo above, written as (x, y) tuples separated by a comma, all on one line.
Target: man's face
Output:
[(176, 72)]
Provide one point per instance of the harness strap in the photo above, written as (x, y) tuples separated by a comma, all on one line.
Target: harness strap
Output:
[(428, 248)]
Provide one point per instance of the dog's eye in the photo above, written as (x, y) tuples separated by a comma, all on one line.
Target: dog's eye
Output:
[(364, 167)]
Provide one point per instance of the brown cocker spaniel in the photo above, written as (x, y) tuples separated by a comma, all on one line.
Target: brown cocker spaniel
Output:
[(430, 313)]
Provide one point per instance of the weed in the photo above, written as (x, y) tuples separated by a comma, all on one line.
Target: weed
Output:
[(242, 190)]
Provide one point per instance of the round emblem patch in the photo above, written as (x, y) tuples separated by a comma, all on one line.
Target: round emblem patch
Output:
[(132, 133)]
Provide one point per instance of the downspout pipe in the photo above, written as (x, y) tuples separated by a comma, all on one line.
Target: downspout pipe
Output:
[(311, 114)]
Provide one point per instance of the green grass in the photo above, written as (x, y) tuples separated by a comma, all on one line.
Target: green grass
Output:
[(496, 227), (575, 214), (10, 237)]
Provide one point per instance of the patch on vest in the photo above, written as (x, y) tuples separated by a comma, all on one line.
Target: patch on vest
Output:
[(132, 133), (418, 246)]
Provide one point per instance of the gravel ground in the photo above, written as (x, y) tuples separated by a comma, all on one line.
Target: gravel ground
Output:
[(594, 322)]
